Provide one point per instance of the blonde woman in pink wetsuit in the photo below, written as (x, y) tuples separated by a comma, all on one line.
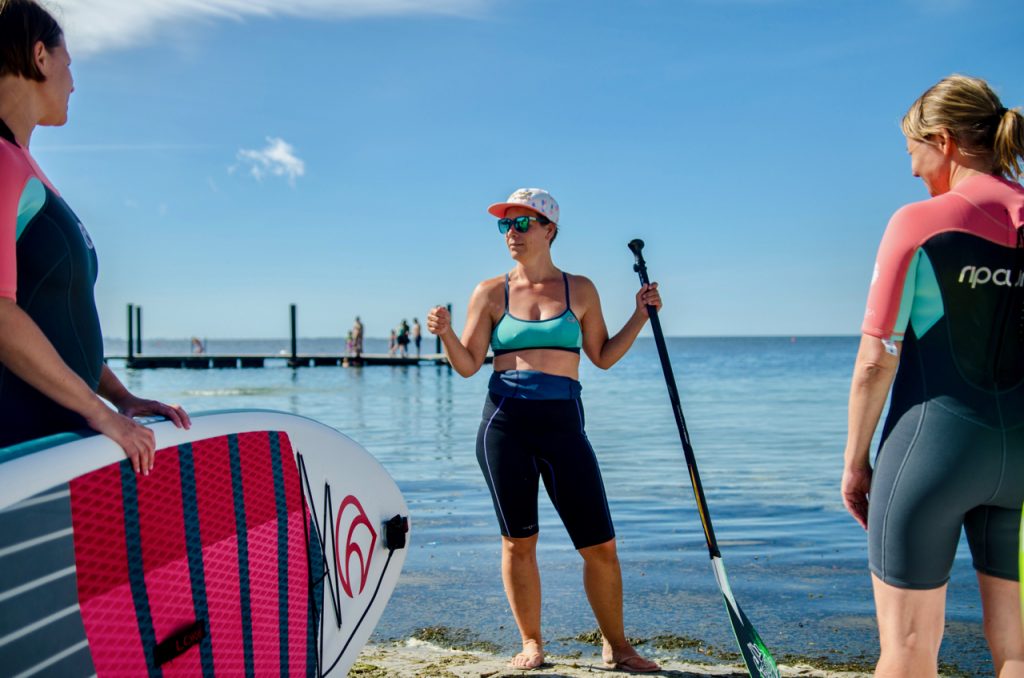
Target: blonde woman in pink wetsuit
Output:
[(946, 308)]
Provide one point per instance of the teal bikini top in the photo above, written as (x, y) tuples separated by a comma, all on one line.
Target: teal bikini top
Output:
[(561, 333)]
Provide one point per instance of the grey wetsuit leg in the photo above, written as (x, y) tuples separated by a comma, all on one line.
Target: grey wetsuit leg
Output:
[(932, 471)]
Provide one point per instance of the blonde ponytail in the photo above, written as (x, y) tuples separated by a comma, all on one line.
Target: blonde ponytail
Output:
[(972, 114), (1009, 144)]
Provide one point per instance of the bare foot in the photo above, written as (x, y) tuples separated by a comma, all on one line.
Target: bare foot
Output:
[(531, 657)]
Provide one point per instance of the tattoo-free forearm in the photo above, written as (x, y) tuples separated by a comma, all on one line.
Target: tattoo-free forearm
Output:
[(461, 358), (26, 352), (616, 347), (872, 377)]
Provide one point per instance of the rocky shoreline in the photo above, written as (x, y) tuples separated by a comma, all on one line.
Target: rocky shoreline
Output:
[(420, 659)]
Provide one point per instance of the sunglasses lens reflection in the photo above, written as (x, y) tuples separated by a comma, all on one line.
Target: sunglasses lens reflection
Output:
[(521, 224)]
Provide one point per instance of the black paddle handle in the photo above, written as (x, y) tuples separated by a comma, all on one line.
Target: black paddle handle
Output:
[(640, 266)]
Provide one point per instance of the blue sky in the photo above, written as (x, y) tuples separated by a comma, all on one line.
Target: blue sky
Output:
[(230, 157)]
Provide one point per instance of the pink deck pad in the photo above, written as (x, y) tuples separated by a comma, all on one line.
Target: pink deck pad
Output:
[(105, 596), (261, 520), (168, 583), (298, 565), (220, 553)]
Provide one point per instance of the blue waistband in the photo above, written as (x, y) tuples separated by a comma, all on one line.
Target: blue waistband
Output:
[(534, 385)]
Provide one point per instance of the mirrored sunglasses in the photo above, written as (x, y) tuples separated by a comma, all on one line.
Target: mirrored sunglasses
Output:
[(521, 224)]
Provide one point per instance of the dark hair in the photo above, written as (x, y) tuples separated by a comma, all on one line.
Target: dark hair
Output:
[(544, 221), (23, 23)]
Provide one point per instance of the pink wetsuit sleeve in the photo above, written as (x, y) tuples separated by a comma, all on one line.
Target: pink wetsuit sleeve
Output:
[(978, 206), (13, 174), (900, 242)]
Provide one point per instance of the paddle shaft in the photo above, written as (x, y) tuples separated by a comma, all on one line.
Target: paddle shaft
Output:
[(677, 409), (759, 661)]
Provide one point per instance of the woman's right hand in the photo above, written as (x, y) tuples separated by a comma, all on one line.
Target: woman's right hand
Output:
[(137, 441), (856, 486), (439, 320)]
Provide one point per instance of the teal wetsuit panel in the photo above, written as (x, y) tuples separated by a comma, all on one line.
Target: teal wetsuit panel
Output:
[(921, 301), (33, 198)]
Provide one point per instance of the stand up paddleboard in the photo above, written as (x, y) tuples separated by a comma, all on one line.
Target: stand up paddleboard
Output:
[(262, 543)]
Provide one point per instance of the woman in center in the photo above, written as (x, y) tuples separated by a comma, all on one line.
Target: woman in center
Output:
[(537, 318)]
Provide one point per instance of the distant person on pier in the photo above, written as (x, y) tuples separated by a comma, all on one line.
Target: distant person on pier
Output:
[(537, 319), (417, 335), (393, 343), (357, 337), (51, 347), (943, 330), (403, 338), (198, 345)]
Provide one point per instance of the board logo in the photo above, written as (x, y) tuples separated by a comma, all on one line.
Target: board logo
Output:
[(179, 642), (764, 665), (354, 529)]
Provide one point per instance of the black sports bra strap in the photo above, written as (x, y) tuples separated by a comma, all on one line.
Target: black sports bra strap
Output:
[(6, 133), (565, 280)]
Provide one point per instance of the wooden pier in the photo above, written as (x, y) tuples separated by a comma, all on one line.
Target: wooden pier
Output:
[(203, 361)]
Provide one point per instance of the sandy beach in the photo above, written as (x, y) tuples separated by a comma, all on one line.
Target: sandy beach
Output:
[(418, 659)]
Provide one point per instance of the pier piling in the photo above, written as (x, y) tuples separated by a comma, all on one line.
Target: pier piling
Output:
[(294, 361), (131, 337), (138, 330)]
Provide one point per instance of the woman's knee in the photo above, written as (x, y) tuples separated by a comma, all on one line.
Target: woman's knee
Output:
[(520, 549), (1004, 631), (910, 622), (600, 553), (922, 643)]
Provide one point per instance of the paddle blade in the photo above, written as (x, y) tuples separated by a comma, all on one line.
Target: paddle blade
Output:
[(759, 661)]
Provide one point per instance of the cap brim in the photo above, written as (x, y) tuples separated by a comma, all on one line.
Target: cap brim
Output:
[(498, 209)]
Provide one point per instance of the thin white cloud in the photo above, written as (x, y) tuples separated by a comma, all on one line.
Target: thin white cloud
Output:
[(119, 148), (276, 159), (102, 25)]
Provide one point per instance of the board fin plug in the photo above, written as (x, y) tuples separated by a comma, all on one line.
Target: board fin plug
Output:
[(395, 530)]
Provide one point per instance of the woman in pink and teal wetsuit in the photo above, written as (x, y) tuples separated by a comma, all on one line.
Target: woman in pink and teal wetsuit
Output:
[(51, 349), (537, 319), (944, 327)]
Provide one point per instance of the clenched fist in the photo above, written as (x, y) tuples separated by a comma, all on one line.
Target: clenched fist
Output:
[(439, 320)]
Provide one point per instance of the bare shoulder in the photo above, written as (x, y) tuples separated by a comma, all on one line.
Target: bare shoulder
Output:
[(489, 294), (582, 287), (490, 288)]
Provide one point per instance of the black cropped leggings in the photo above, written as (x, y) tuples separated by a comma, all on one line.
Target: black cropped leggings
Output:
[(522, 440)]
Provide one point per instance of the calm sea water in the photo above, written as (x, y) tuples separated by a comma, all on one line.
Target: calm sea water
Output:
[(767, 419)]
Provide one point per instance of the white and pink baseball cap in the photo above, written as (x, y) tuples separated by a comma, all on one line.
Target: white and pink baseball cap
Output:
[(536, 199)]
